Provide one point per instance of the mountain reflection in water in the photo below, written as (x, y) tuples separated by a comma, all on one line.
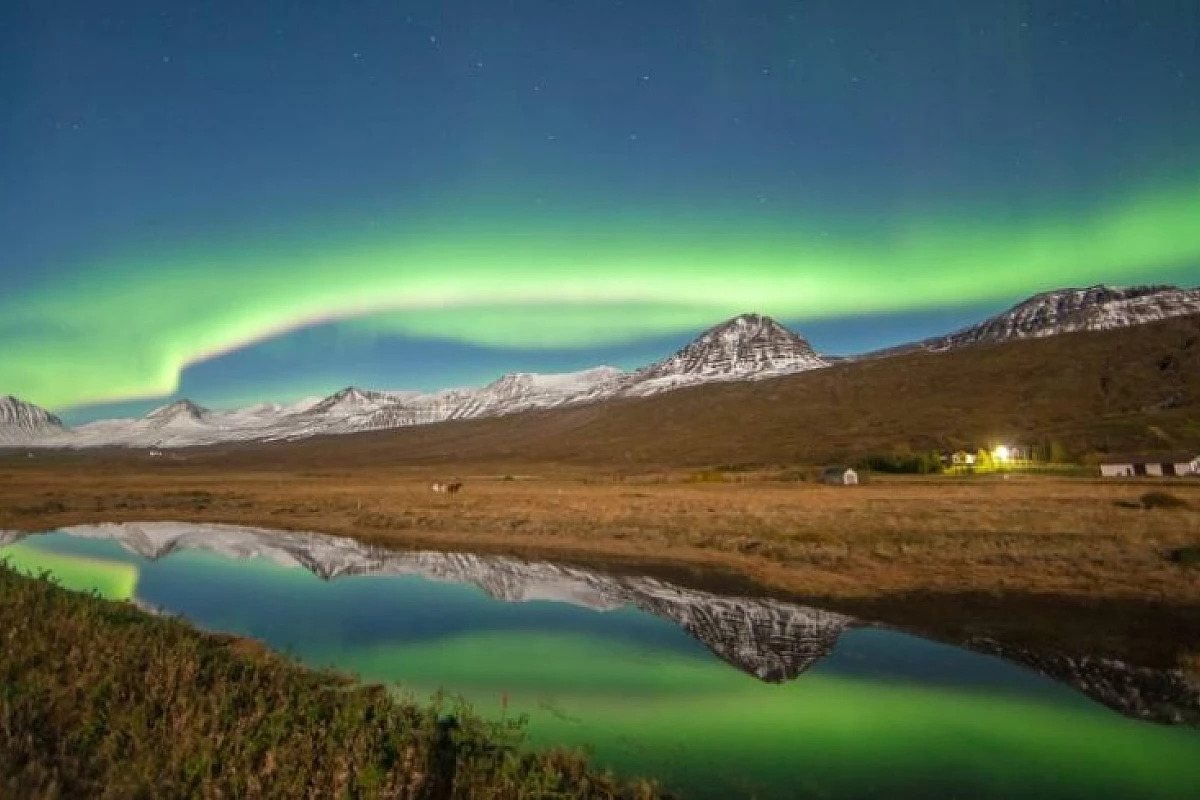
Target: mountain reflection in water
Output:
[(622, 664)]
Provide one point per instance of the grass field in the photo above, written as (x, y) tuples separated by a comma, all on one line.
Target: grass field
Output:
[(1047, 561)]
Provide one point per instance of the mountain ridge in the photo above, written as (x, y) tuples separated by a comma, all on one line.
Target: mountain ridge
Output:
[(747, 347), (21, 422), (1067, 310)]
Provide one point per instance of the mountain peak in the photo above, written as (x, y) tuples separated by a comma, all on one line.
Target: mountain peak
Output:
[(746, 345), (555, 383), (179, 410), (351, 400), (20, 420)]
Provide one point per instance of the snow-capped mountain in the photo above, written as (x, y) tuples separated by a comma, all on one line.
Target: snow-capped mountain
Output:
[(1095, 308), (771, 640), (180, 411), (351, 401), (23, 423), (746, 347)]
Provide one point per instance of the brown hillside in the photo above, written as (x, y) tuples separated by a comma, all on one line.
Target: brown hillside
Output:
[(1131, 389)]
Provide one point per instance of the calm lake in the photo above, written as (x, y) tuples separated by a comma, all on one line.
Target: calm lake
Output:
[(718, 697)]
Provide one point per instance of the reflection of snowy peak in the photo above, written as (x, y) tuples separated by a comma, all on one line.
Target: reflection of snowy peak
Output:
[(771, 640), (1167, 696)]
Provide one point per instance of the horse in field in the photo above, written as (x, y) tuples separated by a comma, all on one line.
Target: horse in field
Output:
[(446, 488)]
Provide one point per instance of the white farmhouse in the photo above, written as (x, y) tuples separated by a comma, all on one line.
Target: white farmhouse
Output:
[(1157, 465)]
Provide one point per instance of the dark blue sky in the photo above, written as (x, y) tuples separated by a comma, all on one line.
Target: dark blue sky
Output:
[(146, 140)]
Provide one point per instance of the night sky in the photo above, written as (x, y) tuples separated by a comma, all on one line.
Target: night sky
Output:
[(242, 201)]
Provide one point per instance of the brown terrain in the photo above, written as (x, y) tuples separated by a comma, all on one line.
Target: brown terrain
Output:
[(717, 483)]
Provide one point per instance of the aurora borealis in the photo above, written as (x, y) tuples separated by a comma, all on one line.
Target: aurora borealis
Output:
[(261, 203)]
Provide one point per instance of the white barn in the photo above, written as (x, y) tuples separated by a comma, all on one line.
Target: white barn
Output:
[(1162, 464)]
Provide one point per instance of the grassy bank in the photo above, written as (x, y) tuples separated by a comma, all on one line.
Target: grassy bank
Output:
[(100, 700)]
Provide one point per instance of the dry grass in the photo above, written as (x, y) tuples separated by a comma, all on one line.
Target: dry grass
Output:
[(881, 549), (1042, 534)]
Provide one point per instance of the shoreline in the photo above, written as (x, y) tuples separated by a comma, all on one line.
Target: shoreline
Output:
[(136, 701)]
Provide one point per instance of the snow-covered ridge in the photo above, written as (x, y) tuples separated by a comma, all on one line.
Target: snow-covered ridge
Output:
[(21, 422), (746, 347), (772, 640), (1095, 308)]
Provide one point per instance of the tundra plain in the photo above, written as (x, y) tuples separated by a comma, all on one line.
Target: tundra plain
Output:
[(1073, 564)]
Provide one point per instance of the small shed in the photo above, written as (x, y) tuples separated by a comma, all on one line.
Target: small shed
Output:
[(1158, 465), (840, 476)]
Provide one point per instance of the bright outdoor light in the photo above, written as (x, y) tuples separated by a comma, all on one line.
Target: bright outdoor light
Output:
[(1002, 453)]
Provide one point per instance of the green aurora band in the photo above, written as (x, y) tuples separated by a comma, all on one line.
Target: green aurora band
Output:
[(114, 580), (678, 718), (125, 328)]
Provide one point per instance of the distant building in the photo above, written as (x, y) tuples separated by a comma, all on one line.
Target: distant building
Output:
[(840, 476), (962, 458), (1155, 465)]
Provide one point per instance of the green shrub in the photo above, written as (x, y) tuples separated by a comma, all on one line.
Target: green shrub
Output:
[(902, 463), (1188, 556)]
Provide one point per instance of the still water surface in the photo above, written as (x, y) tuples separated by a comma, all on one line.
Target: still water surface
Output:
[(718, 697)]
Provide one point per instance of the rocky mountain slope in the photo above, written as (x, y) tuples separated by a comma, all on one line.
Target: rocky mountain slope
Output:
[(1095, 308), (771, 640), (745, 348), (23, 423)]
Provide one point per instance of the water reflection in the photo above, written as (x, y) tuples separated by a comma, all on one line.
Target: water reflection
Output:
[(624, 665)]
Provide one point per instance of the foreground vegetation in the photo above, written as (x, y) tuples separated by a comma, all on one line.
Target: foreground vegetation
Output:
[(100, 700)]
